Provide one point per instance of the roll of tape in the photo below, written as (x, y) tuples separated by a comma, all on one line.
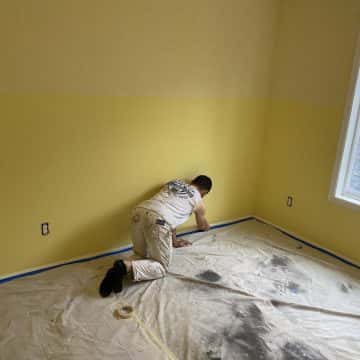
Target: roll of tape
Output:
[(125, 312)]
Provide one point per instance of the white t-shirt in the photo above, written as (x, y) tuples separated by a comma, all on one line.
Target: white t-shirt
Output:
[(175, 202)]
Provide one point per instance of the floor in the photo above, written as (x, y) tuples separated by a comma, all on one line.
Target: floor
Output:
[(246, 291)]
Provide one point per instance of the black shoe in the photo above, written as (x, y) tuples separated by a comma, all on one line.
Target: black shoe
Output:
[(120, 272), (105, 288), (120, 265)]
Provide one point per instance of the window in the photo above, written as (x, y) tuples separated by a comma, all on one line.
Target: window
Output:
[(346, 182)]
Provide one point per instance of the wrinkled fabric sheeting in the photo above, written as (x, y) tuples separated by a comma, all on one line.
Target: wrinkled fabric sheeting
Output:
[(59, 315), (199, 321), (248, 258), (341, 334), (240, 292)]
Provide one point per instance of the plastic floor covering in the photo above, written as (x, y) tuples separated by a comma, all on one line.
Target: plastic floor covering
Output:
[(246, 291)]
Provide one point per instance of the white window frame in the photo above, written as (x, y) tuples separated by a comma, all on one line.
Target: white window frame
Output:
[(349, 140)]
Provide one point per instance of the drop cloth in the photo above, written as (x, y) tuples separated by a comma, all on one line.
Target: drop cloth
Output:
[(245, 291)]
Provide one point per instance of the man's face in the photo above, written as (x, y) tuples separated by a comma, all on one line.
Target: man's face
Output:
[(203, 193)]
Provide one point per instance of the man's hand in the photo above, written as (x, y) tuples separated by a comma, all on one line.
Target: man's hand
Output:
[(181, 243)]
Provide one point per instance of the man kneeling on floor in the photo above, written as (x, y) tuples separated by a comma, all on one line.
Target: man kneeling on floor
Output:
[(153, 228)]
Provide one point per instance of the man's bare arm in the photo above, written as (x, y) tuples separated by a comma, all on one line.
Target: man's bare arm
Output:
[(173, 237), (201, 221), (179, 242)]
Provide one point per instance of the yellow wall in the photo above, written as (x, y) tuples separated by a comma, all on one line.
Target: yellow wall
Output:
[(100, 104), (311, 75)]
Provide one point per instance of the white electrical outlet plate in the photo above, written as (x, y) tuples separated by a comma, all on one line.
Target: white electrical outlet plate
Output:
[(290, 201), (45, 229)]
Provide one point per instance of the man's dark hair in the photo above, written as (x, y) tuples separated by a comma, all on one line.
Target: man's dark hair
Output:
[(203, 182)]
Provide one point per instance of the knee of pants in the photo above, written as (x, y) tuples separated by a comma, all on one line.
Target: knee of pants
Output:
[(148, 270), (165, 268), (162, 271), (159, 269)]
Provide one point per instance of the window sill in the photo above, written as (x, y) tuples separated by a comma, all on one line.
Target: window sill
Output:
[(346, 202)]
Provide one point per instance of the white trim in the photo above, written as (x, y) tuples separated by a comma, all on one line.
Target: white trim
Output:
[(346, 202), (345, 145), (309, 242)]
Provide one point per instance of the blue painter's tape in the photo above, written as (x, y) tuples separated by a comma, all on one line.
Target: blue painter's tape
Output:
[(34, 272), (327, 252), (217, 226), (29, 273), (38, 271), (347, 262)]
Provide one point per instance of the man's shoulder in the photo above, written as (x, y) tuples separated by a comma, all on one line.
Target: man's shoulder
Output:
[(200, 206), (181, 188)]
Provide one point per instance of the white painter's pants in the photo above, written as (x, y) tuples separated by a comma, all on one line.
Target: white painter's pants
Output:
[(152, 239)]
